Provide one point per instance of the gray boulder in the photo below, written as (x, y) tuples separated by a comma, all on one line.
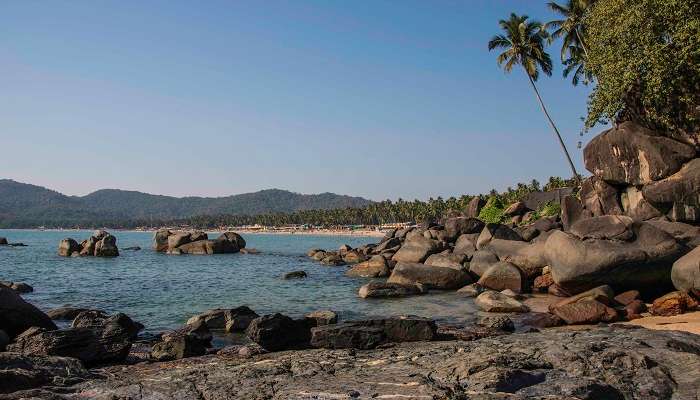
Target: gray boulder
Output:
[(446, 260), (276, 332), (528, 257), (379, 289), (685, 273), (416, 249), (461, 225), (496, 231), (492, 301), (680, 190), (636, 206), (189, 341), (429, 276), (16, 315), (482, 261), (229, 319), (502, 276), (67, 247), (375, 267), (599, 197)]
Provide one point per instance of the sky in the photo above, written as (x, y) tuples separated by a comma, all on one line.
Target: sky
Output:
[(380, 99)]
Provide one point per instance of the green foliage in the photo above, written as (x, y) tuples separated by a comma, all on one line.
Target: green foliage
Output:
[(571, 30), (645, 56), (523, 44), (492, 212), (549, 209)]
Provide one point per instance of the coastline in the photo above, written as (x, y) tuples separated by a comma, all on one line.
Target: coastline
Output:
[(309, 232)]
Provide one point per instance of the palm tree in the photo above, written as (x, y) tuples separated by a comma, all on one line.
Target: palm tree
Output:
[(523, 42), (571, 29)]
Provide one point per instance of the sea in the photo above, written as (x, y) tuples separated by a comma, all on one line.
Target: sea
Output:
[(162, 291)]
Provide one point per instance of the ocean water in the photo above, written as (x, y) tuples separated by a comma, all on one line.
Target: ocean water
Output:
[(163, 291)]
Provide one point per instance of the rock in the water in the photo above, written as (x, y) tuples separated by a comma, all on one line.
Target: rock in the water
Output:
[(22, 372), (295, 275), (277, 332), (119, 325), (633, 155), (367, 334), (585, 311), (416, 250), (673, 303), (492, 301), (332, 259), (106, 246), (429, 276), (229, 319), (312, 252), (503, 275), (19, 287), (387, 289), (354, 257), (67, 313), (190, 341), (67, 247), (3, 241), (375, 267), (685, 273), (160, 240), (234, 239), (642, 263), (16, 315)]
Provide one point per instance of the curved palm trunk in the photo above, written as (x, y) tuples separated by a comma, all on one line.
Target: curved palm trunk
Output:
[(580, 41), (556, 131)]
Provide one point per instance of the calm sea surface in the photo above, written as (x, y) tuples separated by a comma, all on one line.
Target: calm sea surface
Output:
[(162, 291)]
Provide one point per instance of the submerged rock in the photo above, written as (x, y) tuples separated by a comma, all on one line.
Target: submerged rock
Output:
[(295, 275)]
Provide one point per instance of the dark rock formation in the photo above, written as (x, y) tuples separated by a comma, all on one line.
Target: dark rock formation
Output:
[(388, 289), (295, 275), (16, 315), (277, 332), (190, 341), (230, 319), (429, 276), (22, 372)]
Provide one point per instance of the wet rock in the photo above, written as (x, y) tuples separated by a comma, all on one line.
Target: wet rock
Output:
[(249, 250), (319, 255), (492, 301), (295, 275), (375, 267), (312, 252), (277, 332), (354, 257), (66, 313), (503, 275), (67, 247), (332, 260), (18, 287), (16, 315), (673, 303), (387, 289), (233, 242), (429, 276), (106, 246), (229, 319)]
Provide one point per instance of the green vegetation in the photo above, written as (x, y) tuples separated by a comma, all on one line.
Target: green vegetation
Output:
[(572, 31), (492, 211), (522, 42), (645, 56)]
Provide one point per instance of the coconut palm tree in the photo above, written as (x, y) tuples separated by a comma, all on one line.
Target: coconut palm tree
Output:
[(571, 29), (523, 41)]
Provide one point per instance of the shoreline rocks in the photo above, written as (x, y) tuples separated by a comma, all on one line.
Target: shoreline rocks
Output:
[(100, 244), (198, 243)]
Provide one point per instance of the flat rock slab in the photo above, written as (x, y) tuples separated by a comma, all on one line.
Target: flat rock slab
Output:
[(612, 362)]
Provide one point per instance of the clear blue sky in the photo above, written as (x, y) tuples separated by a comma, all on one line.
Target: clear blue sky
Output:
[(381, 99)]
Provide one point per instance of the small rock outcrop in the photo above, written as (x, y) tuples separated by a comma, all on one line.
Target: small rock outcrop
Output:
[(230, 319), (196, 242), (100, 244), (190, 341)]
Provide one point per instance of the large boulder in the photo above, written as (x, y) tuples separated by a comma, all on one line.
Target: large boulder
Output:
[(189, 341), (379, 289), (529, 257), (235, 239), (447, 260), (611, 227), (16, 315), (572, 211), (416, 249), (466, 244), (517, 208), (684, 233), (67, 247), (276, 332), (482, 261), (160, 240), (115, 328), (685, 273), (496, 231), (633, 155), (429, 276), (642, 262), (229, 319), (599, 197), (178, 239), (636, 206), (681, 191), (492, 301), (502, 276), (375, 267), (106, 246), (461, 225), (474, 207), (66, 313)]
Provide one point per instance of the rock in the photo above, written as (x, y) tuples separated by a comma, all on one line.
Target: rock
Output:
[(503, 275), (16, 315), (474, 207), (681, 190), (585, 311), (599, 363), (356, 334), (116, 328), (540, 320), (160, 240), (333, 260), (106, 246), (199, 247), (633, 155), (132, 248), (375, 267), (67, 313), (636, 206), (686, 234), (517, 208), (635, 309), (482, 261), (322, 317), (495, 231), (602, 294), (249, 250), (387, 244), (472, 290), (4, 340), (385, 289), (498, 322), (319, 255), (612, 227), (450, 260), (235, 240), (354, 257), (546, 224), (229, 319), (627, 297), (467, 333), (685, 272), (529, 257), (599, 197), (18, 287), (190, 341), (454, 227), (67, 247), (542, 283), (673, 303), (416, 250), (311, 252), (295, 275), (277, 332), (492, 301), (22, 372), (641, 264), (466, 244), (572, 211), (3, 241), (429, 276), (344, 249)]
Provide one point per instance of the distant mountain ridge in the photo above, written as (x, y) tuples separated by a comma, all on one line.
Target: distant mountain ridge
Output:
[(24, 205)]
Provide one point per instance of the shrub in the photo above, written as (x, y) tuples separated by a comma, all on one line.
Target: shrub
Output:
[(492, 212)]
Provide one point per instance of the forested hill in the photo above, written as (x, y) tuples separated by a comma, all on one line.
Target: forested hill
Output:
[(24, 205)]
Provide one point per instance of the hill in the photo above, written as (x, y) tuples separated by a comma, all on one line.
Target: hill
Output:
[(23, 205)]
